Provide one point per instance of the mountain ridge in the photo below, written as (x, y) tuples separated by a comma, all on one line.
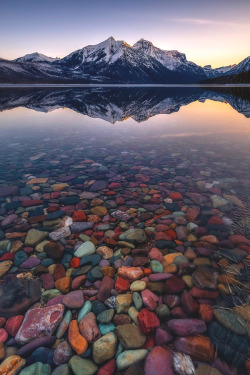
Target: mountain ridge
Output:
[(117, 104), (113, 61)]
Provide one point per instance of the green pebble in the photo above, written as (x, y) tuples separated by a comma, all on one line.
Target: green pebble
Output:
[(178, 214), (81, 366), (129, 357), (106, 328), (137, 301), (63, 326), (62, 370), (156, 266), (84, 310), (180, 259), (106, 316), (37, 368), (49, 294)]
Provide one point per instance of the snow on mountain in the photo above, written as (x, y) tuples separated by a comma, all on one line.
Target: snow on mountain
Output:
[(113, 104), (243, 66), (142, 62), (35, 57), (212, 73), (113, 61)]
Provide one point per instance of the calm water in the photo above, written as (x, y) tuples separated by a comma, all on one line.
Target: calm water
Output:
[(151, 142)]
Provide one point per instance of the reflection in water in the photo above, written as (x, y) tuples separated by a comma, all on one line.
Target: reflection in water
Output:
[(118, 104), (182, 180)]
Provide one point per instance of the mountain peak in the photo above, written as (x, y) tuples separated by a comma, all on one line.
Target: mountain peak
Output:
[(35, 57), (143, 43)]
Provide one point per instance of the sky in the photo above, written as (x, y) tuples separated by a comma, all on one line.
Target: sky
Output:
[(215, 32)]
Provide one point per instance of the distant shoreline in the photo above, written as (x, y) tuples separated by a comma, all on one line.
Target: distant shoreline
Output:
[(31, 85)]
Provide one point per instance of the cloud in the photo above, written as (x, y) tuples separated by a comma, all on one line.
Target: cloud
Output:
[(198, 21)]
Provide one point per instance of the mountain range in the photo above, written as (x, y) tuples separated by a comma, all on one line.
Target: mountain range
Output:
[(113, 61), (117, 104)]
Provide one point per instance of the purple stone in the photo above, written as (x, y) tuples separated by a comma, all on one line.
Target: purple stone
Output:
[(186, 327), (73, 300), (160, 276), (31, 262), (27, 349), (78, 227), (98, 185)]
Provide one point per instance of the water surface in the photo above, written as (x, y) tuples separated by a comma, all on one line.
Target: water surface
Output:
[(144, 144)]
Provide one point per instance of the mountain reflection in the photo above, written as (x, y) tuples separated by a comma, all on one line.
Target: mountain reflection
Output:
[(118, 104)]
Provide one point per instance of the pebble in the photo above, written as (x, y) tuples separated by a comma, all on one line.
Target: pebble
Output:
[(159, 361), (12, 365), (73, 300), (130, 336), (39, 322), (81, 366), (124, 261), (87, 248), (129, 357), (76, 340), (104, 348)]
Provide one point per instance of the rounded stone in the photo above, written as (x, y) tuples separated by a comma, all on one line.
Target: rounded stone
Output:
[(104, 348), (137, 286), (129, 357), (87, 248)]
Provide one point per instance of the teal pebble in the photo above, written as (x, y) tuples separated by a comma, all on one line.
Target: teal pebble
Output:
[(64, 324), (137, 301), (180, 259), (106, 328), (156, 266), (84, 310), (37, 368)]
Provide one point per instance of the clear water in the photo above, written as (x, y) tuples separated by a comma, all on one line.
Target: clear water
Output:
[(192, 141)]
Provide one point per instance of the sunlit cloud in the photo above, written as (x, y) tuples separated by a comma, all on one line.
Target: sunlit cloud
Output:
[(199, 21)]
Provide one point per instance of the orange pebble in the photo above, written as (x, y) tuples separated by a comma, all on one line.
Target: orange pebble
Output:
[(75, 263), (147, 271), (76, 340)]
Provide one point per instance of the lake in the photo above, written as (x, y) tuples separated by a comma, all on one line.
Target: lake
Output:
[(102, 187)]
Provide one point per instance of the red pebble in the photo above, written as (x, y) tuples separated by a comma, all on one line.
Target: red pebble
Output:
[(59, 271), (206, 313), (121, 285), (7, 256), (3, 335), (120, 200), (114, 185), (75, 263), (174, 285), (178, 313), (13, 324), (171, 233), (148, 321), (110, 241), (239, 239), (108, 369), (52, 209), (215, 220), (79, 216), (149, 343), (32, 202), (176, 196), (99, 235), (202, 293)]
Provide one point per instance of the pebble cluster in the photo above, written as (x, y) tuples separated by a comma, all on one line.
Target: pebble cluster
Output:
[(122, 267)]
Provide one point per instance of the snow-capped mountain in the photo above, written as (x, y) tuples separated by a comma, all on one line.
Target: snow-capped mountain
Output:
[(35, 57), (118, 104), (243, 66), (113, 61), (212, 73), (142, 62)]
